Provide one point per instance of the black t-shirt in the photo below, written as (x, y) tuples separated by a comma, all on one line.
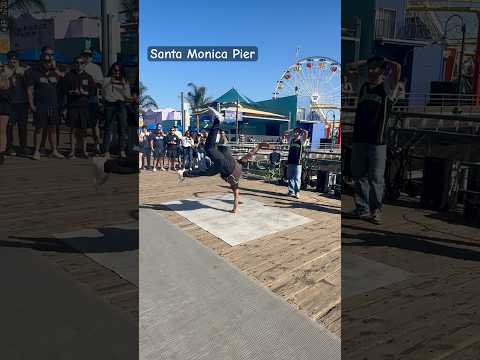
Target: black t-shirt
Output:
[(295, 152), (19, 89), (171, 141), (45, 86), (75, 81), (372, 113)]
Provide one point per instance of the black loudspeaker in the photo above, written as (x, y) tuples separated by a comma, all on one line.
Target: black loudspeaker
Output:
[(437, 175), (471, 209), (323, 178)]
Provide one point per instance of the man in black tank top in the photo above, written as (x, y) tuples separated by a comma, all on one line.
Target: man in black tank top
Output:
[(369, 149)]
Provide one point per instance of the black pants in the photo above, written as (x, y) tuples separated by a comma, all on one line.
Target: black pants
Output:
[(121, 166), (18, 116)]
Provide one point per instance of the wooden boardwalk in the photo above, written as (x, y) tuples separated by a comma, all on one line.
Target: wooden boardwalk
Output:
[(301, 264), (433, 314), (50, 196)]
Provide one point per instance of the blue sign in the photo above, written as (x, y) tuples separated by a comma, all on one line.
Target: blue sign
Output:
[(202, 53)]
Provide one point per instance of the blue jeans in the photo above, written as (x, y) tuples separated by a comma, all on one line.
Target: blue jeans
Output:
[(187, 157), (115, 114), (294, 176), (368, 172)]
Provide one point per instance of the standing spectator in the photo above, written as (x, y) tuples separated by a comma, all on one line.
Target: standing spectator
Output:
[(132, 119), (116, 93), (223, 138), (157, 145), (187, 144), (78, 87), (145, 150), (42, 90), (50, 52), (294, 163), (172, 142), (19, 104), (369, 151), (96, 73), (4, 110)]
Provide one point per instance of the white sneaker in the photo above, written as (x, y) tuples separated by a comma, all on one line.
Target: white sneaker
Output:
[(123, 155), (180, 176), (72, 156), (162, 169), (376, 217), (154, 169), (297, 196), (36, 155), (99, 171), (57, 155)]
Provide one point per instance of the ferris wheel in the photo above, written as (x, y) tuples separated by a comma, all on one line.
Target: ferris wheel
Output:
[(316, 80)]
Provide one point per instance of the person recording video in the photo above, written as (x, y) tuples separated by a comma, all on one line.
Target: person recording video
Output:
[(369, 149)]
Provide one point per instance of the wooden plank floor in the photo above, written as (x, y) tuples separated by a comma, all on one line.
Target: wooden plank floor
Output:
[(301, 264), (50, 196), (433, 314)]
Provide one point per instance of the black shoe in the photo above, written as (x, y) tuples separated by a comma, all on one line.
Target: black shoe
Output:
[(2, 159)]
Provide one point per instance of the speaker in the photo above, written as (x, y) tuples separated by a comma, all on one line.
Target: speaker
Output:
[(437, 175), (323, 179)]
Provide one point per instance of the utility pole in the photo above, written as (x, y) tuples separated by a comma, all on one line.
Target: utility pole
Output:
[(333, 132), (183, 111), (236, 122), (460, 63), (104, 37)]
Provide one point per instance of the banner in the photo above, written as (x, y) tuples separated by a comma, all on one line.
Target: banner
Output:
[(231, 116)]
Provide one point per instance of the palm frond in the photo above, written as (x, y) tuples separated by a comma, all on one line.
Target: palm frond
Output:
[(23, 6)]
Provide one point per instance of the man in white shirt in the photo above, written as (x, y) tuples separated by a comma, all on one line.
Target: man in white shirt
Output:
[(95, 72)]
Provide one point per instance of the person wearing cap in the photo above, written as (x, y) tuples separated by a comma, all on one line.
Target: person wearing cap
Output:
[(18, 104), (294, 162), (369, 151), (96, 73), (172, 142)]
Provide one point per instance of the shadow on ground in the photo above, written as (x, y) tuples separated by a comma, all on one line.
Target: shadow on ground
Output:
[(109, 240), (424, 244)]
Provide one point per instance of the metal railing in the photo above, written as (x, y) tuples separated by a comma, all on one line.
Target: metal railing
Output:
[(427, 103)]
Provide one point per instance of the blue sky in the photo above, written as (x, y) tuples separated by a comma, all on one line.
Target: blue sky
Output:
[(276, 27)]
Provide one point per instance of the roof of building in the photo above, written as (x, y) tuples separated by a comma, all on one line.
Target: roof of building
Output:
[(232, 96)]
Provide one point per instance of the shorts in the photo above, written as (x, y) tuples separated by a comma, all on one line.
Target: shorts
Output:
[(46, 117), (234, 178), (172, 153), (158, 152), (19, 114), (5, 108), (78, 118), (147, 151)]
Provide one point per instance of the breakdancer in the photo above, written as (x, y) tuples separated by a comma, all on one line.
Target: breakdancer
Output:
[(223, 162)]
